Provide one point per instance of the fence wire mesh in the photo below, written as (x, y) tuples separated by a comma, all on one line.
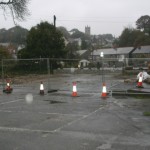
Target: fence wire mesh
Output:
[(60, 73)]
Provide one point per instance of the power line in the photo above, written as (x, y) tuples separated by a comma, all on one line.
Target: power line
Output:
[(96, 21)]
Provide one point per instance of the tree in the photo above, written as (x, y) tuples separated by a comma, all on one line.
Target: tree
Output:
[(17, 8), (4, 53), (64, 31), (16, 35), (84, 45), (44, 40), (125, 38), (77, 34), (144, 23), (132, 37), (71, 49)]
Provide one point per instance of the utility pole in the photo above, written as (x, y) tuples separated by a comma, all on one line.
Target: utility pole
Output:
[(54, 21), (103, 75)]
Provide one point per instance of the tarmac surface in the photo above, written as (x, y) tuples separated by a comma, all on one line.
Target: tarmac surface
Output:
[(58, 121)]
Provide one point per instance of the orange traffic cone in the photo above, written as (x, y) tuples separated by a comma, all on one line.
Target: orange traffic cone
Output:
[(8, 89), (41, 88), (140, 82), (104, 92), (74, 92)]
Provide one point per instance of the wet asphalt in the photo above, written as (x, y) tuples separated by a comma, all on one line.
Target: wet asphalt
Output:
[(58, 121)]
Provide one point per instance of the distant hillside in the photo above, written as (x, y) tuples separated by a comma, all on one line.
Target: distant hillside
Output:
[(108, 36), (15, 35)]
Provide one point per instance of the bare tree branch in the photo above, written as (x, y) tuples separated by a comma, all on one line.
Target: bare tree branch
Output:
[(6, 3), (17, 8)]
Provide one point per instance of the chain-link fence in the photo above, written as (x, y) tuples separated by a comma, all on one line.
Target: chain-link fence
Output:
[(58, 74), (23, 72)]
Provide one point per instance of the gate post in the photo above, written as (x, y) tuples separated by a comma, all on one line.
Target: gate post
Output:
[(48, 69), (3, 75)]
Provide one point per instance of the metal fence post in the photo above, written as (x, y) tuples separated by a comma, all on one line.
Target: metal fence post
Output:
[(48, 69), (3, 75), (103, 75)]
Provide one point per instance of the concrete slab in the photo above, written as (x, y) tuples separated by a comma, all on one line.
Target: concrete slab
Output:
[(122, 88), (86, 122)]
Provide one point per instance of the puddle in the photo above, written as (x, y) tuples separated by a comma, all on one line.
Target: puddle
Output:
[(54, 102)]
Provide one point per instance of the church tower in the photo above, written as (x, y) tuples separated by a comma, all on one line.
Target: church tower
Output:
[(87, 30)]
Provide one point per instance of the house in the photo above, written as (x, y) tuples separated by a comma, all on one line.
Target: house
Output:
[(83, 63), (138, 54), (83, 54), (123, 55), (142, 52), (78, 41), (119, 53)]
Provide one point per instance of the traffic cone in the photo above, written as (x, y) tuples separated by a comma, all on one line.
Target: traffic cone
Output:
[(8, 89), (104, 92), (41, 88), (140, 82), (74, 92)]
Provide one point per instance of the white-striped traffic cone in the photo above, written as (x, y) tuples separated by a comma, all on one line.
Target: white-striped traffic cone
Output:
[(104, 91), (8, 89), (74, 91), (140, 82), (41, 88)]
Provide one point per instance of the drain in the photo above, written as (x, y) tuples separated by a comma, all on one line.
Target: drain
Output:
[(120, 97), (54, 101)]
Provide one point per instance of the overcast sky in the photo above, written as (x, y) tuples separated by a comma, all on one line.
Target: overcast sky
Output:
[(103, 16)]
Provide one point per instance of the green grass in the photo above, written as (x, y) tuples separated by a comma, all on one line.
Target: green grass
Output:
[(146, 113)]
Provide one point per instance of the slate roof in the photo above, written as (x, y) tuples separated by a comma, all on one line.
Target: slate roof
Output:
[(80, 52), (124, 50), (110, 51), (105, 51), (143, 49)]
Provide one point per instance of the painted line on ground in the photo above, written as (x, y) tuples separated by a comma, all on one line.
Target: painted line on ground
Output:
[(11, 101), (10, 107), (13, 129), (60, 114), (79, 119), (43, 113)]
